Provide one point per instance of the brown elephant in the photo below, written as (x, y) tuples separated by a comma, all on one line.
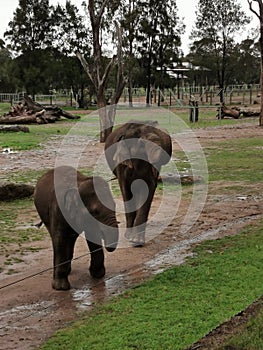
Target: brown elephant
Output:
[(70, 203), (135, 153)]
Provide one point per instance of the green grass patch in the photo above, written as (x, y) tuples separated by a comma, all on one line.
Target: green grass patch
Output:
[(38, 135), (236, 160), (17, 225), (89, 125), (179, 306), (22, 176), (18, 219), (4, 107)]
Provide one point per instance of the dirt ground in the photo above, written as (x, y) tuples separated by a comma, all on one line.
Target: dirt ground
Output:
[(30, 311)]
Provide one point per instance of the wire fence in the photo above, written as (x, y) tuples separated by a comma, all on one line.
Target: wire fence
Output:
[(177, 97)]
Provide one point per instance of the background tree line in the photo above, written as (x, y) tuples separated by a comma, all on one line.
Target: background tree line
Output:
[(40, 46)]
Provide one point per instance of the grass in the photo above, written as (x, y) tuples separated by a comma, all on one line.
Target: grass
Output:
[(13, 216), (173, 120), (223, 278), (236, 160), (22, 176), (17, 219), (4, 107), (179, 306), (38, 135)]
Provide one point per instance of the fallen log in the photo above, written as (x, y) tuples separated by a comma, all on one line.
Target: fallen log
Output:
[(31, 112), (250, 113), (13, 128), (224, 111)]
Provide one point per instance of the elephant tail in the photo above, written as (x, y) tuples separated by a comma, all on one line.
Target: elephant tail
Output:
[(38, 225)]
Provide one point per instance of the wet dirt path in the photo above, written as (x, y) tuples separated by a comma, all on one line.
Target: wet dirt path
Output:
[(30, 311)]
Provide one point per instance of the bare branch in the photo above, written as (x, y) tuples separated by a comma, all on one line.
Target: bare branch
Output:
[(105, 2), (97, 17), (85, 65), (107, 70), (251, 8)]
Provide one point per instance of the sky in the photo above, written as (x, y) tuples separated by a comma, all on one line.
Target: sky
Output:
[(186, 9)]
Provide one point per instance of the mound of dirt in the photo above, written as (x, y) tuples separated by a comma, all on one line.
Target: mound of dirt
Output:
[(234, 326), (11, 191)]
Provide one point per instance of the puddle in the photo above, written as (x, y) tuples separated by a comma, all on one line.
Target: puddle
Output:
[(172, 256), (22, 312)]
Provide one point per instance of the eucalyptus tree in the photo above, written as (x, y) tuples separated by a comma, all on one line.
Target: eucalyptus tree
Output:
[(246, 62), (158, 36), (97, 71), (29, 34), (7, 81), (217, 23), (43, 38), (70, 30), (71, 34), (259, 14), (31, 26), (129, 17)]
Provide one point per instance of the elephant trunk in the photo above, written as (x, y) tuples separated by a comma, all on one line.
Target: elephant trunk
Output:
[(110, 233)]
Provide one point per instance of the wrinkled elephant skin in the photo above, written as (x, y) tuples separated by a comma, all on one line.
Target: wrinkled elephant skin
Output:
[(70, 203), (135, 153)]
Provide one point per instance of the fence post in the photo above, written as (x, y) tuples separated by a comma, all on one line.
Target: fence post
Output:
[(194, 111)]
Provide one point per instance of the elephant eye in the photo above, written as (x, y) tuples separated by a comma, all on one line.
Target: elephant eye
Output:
[(95, 212)]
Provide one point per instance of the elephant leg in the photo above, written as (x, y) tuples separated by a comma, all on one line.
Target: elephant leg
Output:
[(130, 218), (140, 221), (97, 268), (130, 211), (63, 247)]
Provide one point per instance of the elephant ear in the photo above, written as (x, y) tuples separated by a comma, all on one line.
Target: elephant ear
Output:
[(122, 154), (72, 202), (155, 152)]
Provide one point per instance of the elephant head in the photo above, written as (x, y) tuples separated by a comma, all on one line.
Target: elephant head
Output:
[(90, 208), (135, 153), (70, 203)]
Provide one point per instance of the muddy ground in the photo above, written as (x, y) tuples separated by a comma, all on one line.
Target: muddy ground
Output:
[(31, 311)]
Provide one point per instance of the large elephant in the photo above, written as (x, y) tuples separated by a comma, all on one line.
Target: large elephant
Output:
[(135, 153), (70, 203)]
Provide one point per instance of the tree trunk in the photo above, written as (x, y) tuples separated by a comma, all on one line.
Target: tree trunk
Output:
[(261, 86), (98, 77), (260, 17)]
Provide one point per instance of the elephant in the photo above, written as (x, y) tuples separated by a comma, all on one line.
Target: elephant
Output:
[(69, 204), (135, 152)]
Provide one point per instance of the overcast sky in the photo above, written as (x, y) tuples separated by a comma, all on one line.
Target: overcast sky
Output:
[(186, 9)]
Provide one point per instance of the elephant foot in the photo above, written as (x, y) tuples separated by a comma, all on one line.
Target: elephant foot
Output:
[(97, 273), (60, 284), (138, 240), (129, 234), (137, 243)]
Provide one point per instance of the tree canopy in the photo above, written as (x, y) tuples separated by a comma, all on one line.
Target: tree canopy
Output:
[(39, 51), (216, 24)]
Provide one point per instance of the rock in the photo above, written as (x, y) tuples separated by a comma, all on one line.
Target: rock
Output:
[(183, 179)]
